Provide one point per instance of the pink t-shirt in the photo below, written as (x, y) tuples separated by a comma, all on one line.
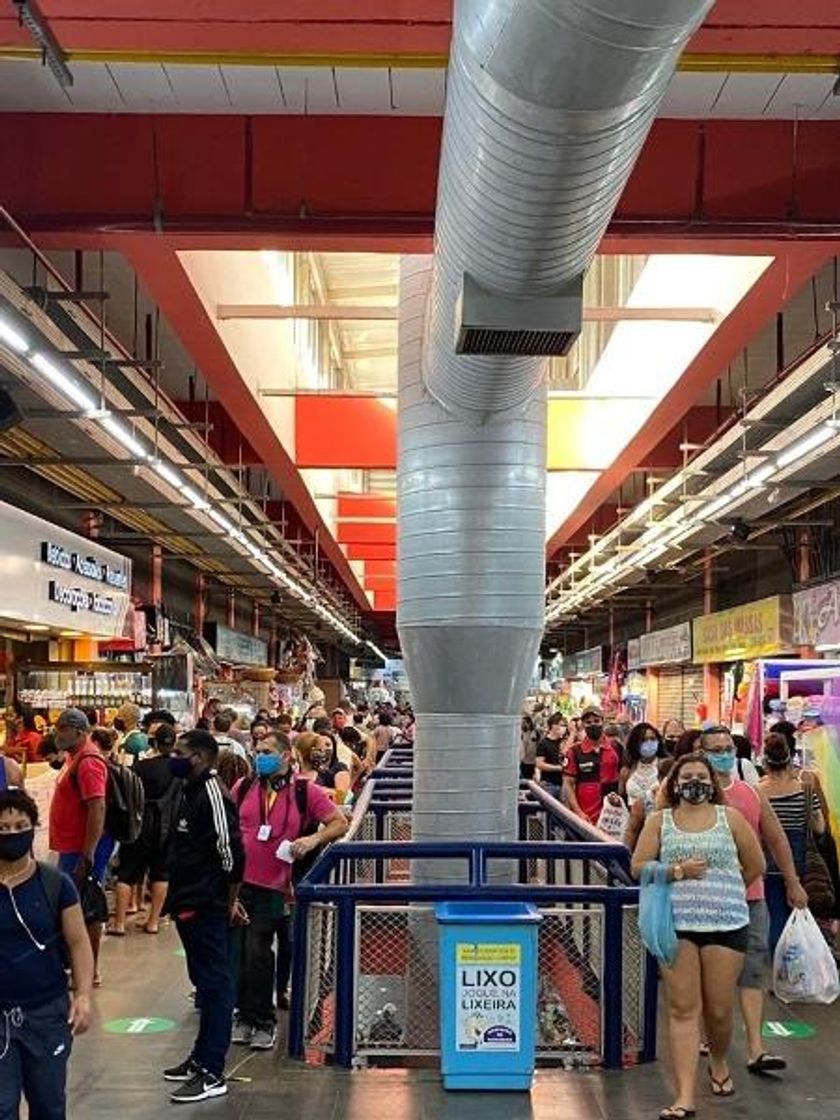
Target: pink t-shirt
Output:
[(262, 866), (742, 796)]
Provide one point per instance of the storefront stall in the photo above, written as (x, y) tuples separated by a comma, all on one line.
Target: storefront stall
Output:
[(244, 680), (735, 641), (816, 618), (61, 595), (586, 675), (674, 685)]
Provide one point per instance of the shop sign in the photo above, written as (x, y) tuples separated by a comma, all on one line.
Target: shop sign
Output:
[(236, 647), (666, 647), (55, 578), (816, 615), (634, 653), (753, 630), (588, 663), (488, 996)]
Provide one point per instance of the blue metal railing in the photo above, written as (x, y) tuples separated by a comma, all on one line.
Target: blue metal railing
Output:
[(570, 841)]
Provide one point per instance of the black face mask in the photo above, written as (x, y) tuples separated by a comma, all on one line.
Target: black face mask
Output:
[(695, 791), (594, 731), (15, 845), (57, 764)]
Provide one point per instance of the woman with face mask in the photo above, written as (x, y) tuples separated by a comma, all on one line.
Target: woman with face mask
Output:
[(640, 774), (40, 921), (711, 855)]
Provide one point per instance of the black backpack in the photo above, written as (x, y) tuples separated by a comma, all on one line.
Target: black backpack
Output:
[(125, 800)]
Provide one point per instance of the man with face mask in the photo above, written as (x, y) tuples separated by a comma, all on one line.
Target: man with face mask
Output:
[(717, 745), (592, 768), (276, 811), (206, 861)]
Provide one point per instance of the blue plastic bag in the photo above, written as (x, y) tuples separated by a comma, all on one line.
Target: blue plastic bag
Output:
[(656, 914)]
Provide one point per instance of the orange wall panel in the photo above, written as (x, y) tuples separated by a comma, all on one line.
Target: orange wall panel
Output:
[(371, 551), (380, 568), (364, 505), (361, 532), (384, 601), (340, 431)]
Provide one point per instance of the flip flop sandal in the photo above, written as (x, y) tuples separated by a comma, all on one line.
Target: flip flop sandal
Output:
[(719, 1086), (147, 930), (767, 1063), (112, 931), (677, 1112)]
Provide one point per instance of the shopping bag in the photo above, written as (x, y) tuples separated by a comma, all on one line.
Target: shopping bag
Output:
[(656, 913), (613, 819), (804, 970)]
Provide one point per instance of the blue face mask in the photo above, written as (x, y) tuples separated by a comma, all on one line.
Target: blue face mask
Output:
[(723, 763), (649, 749), (267, 765)]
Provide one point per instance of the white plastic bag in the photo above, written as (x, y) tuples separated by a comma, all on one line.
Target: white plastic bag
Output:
[(613, 819), (804, 969)]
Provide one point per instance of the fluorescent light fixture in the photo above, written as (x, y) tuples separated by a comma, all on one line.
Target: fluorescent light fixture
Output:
[(708, 511), (123, 436), (12, 338), (827, 647), (168, 474), (763, 474), (802, 447), (62, 382), (193, 496), (36, 628), (222, 521)]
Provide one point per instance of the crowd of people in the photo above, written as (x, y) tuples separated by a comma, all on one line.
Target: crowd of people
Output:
[(732, 832), (210, 828)]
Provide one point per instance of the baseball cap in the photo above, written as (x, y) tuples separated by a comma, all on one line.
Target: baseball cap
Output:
[(74, 718), (592, 710)]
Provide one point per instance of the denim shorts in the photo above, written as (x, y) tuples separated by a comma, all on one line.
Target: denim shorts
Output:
[(754, 973)]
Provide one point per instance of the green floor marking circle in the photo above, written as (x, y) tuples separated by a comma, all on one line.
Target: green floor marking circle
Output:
[(179, 952), (792, 1029), (139, 1026)]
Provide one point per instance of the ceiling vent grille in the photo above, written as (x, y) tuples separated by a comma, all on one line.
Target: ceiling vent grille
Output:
[(539, 326)]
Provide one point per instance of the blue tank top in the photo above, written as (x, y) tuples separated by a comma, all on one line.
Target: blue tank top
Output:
[(718, 901)]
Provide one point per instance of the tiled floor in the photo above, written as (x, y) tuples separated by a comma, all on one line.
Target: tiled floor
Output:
[(118, 1076)]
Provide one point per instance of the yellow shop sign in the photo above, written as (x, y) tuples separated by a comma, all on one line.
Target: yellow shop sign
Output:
[(754, 630)]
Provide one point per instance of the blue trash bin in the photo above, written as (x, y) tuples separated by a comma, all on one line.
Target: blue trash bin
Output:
[(488, 994)]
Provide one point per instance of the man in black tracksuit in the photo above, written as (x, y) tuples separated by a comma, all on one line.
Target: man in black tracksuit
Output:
[(206, 865)]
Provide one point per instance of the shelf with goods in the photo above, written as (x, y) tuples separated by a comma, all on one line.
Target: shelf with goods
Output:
[(101, 686)]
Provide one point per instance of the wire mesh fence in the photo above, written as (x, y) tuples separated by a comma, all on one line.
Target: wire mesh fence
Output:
[(570, 974), (319, 1004), (634, 959)]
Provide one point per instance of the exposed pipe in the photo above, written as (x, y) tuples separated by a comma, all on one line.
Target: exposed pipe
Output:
[(548, 105)]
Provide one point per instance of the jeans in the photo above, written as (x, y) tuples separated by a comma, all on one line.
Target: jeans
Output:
[(205, 938), (104, 850), (34, 1064), (268, 916)]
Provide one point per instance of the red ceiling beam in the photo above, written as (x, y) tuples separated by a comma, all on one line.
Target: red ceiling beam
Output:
[(164, 278), (223, 435), (699, 423), (777, 285), (369, 182), (365, 27)]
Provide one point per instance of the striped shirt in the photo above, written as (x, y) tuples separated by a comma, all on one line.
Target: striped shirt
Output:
[(790, 809)]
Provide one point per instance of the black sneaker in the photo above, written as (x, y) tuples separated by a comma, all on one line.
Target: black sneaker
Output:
[(183, 1072), (200, 1088)]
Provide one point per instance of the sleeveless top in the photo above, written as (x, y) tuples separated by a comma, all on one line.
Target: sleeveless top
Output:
[(718, 901), (642, 784)]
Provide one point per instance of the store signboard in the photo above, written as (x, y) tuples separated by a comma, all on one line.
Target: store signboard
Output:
[(816, 615), (666, 647), (634, 654), (236, 647), (753, 630), (52, 577), (589, 662)]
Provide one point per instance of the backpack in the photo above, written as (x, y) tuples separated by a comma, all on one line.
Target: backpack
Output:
[(159, 816), (124, 801)]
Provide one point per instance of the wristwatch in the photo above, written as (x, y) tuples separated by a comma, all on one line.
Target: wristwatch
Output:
[(677, 873)]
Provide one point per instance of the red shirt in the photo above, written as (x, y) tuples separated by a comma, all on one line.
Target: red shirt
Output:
[(591, 790), (262, 866), (84, 778), (25, 745)]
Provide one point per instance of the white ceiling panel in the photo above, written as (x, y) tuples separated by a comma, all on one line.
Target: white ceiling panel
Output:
[(308, 89), (800, 95), (829, 110), (745, 95), (691, 95), (143, 86), (419, 93), (363, 89), (201, 88), (93, 89), (254, 89), (29, 85)]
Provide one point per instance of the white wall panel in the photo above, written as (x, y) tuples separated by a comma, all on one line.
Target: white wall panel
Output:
[(419, 92), (745, 95), (308, 89), (691, 95), (199, 88), (143, 86), (254, 89), (363, 89)]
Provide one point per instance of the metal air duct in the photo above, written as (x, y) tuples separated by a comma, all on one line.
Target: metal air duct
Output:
[(548, 104)]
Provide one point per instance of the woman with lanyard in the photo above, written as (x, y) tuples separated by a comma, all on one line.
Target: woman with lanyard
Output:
[(40, 922), (275, 808)]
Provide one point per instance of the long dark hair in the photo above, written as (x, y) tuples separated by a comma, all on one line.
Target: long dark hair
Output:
[(632, 748), (673, 798)]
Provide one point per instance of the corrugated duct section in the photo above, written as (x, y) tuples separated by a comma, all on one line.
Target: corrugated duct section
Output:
[(548, 104)]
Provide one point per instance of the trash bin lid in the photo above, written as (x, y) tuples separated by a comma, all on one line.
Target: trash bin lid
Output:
[(486, 913)]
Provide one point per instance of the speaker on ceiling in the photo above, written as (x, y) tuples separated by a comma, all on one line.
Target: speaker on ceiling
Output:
[(9, 411)]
